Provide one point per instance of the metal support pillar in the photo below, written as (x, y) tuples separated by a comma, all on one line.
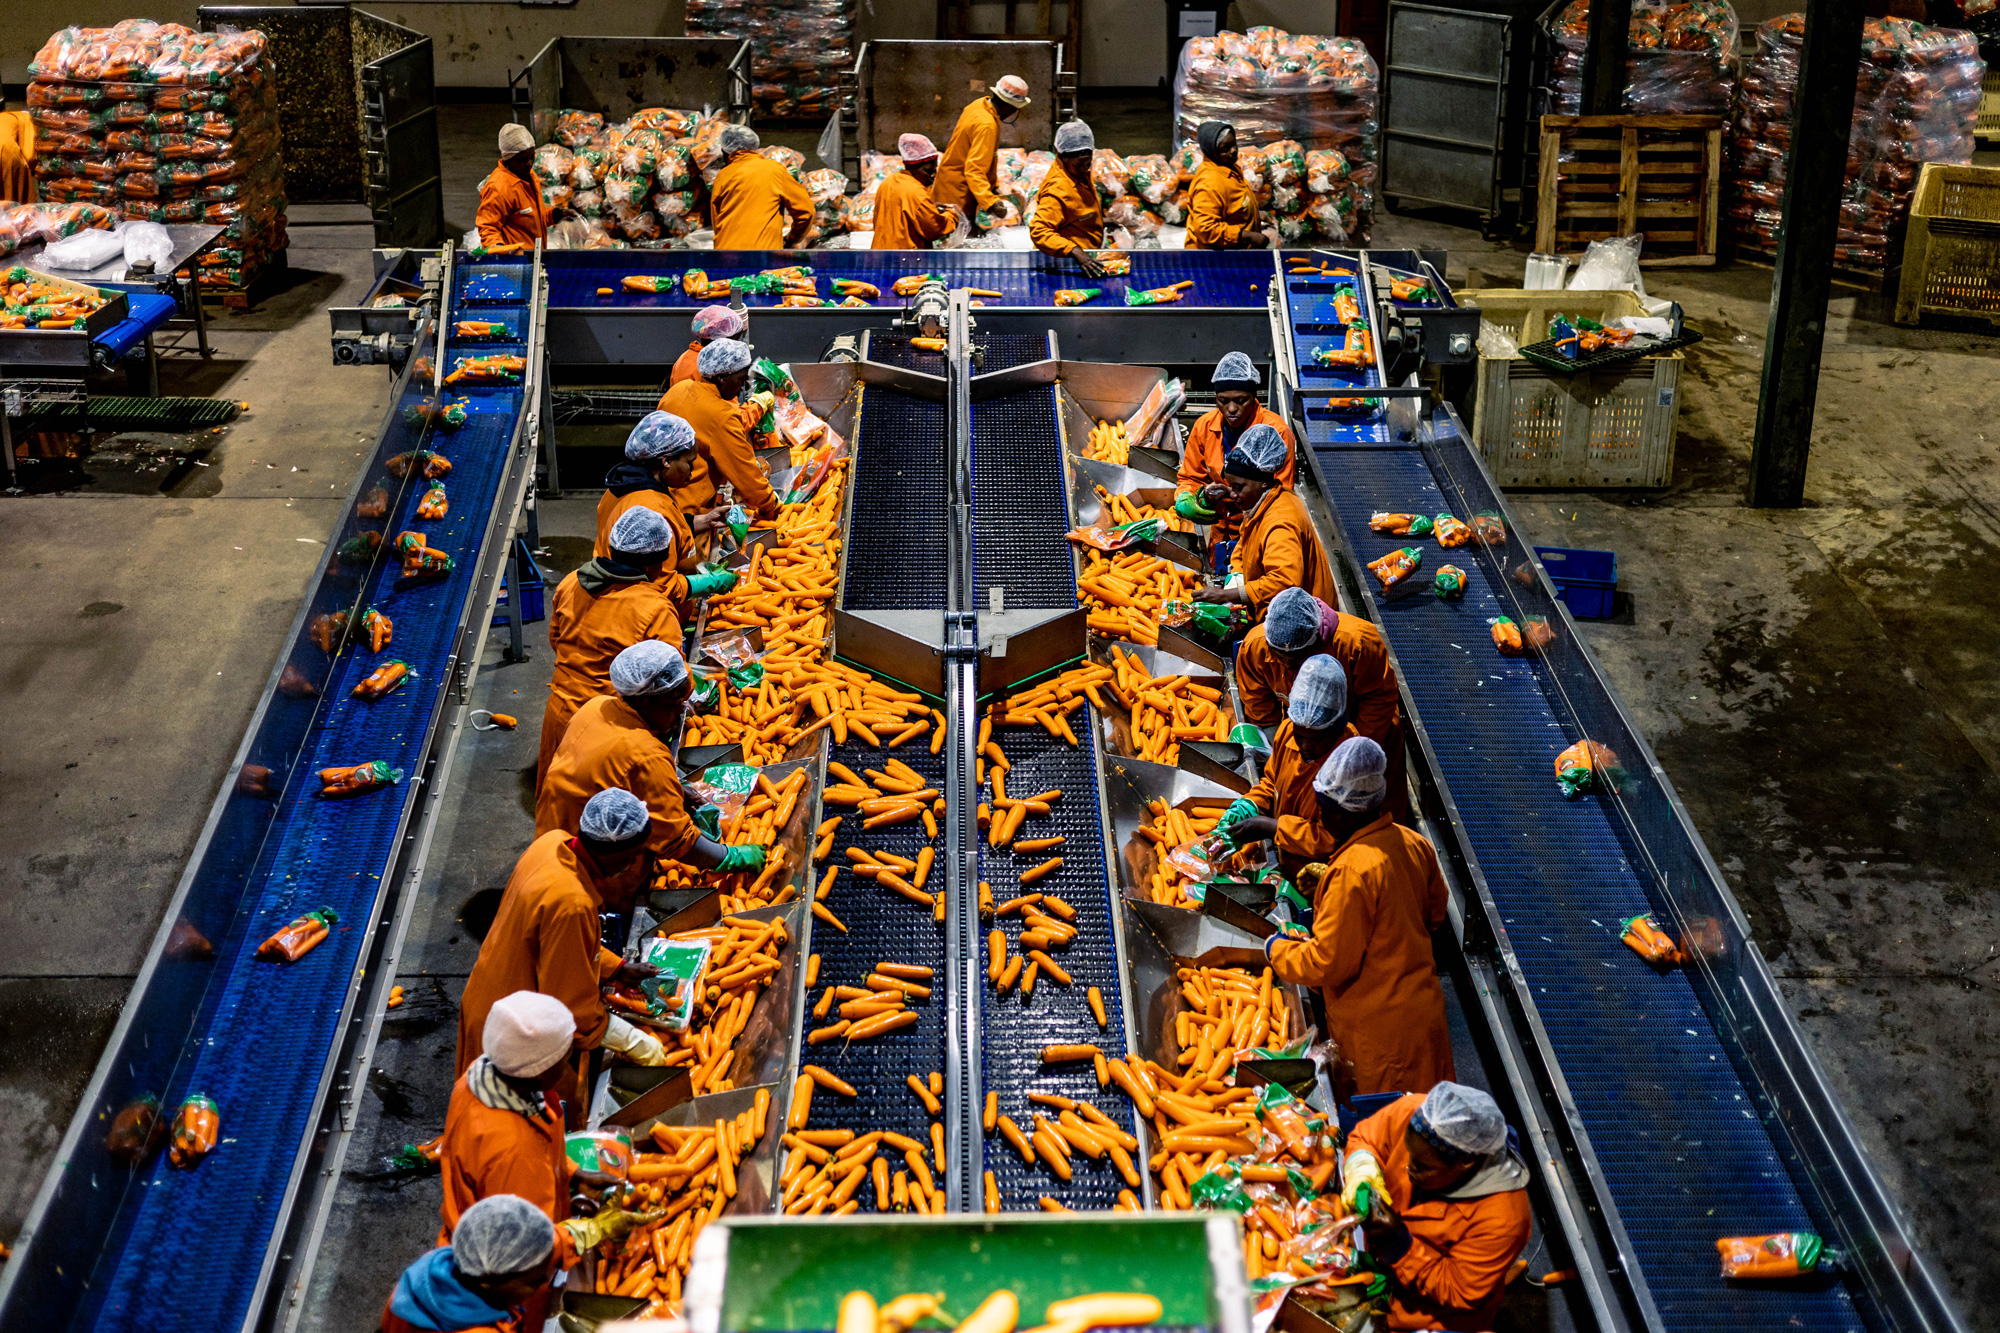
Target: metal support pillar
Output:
[(1604, 57), (1815, 172)]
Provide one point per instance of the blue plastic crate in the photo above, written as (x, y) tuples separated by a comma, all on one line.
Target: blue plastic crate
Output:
[(534, 589), (1585, 580)]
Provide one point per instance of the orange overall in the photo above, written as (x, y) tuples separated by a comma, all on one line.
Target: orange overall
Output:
[(511, 216), (587, 630), (607, 744), (1278, 550), (1222, 208), (685, 364), (757, 205), (1066, 216), (906, 217), (491, 1150), (1263, 682), (723, 450), (1286, 792), (965, 175)]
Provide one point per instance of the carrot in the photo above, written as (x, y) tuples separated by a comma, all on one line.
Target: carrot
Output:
[(828, 1080), (881, 1023), (1048, 965), (1049, 866), (1096, 999), (1052, 1055), (908, 971), (1012, 1133)]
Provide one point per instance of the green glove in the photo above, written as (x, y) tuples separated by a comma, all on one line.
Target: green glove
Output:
[(743, 856), (1189, 506), (707, 585), (708, 818), (1240, 809), (610, 1224)]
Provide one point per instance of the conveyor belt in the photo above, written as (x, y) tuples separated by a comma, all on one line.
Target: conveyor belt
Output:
[(188, 1247), (1222, 278), (896, 551), (1684, 1154)]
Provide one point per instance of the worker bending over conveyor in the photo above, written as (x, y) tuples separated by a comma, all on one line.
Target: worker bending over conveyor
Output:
[(1222, 208), (723, 449), (501, 1257), (1282, 806), (1278, 548), (967, 178), (710, 322), (17, 156), (1376, 899), (511, 215), (545, 936), (906, 217), (1449, 1204), (1067, 221), (661, 455), (605, 606), (1298, 626), (1198, 485), (755, 203)]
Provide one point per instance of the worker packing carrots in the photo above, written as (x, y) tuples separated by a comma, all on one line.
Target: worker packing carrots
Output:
[(1279, 548)]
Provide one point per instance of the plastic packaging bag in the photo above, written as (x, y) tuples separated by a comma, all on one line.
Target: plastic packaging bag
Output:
[(84, 250), (1588, 767), (1780, 1255), (147, 242), (298, 937), (1610, 266)]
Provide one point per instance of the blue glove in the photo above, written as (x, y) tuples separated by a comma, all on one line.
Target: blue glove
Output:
[(1189, 506), (707, 585), (743, 856), (1291, 932)]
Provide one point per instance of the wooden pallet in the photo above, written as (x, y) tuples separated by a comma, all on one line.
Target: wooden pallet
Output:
[(1868, 280), (1607, 176)]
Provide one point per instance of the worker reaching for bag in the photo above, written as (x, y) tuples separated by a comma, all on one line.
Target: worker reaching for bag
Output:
[(1198, 485), (906, 217), (723, 448), (1449, 1204), (710, 322), (755, 202), (661, 455), (1282, 806), (545, 936), (1377, 896), (501, 1257), (967, 177), (1067, 220), (1278, 548)]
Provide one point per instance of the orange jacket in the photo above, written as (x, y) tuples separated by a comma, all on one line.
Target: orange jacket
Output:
[(1263, 680), (1066, 216), (1278, 550), (1455, 1272), (906, 217), (685, 367), (1286, 791), (488, 1151), (757, 205), (510, 214), (1370, 956), (1201, 460), (965, 175), (588, 630), (1222, 208), (17, 157), (607, 744), (722, 448), (610, 508), (544, 938)]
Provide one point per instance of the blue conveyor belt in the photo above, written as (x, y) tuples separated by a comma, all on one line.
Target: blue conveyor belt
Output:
[(1222, 278), (188, 1246), (1684, 1153)]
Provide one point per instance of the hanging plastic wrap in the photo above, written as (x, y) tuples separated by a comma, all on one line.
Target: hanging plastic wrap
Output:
[(1681, 57), (799, 51), (1916, 100)]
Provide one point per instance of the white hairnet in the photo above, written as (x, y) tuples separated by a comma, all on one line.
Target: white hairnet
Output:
[(500, 1235), (650, 667), (659, 435), (915, 148), (724, 356), (1466, 1118), (642, 531), (1355, 776), (1319, 696), (613, 815), (527, 1032), (736, 139), (1235, 370), (1073, 136), (515, 139), (719, 321), (1295, 621), (1259, 453)]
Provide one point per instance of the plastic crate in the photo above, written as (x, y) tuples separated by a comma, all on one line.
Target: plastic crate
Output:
[(1987, 129), (1607, 428), (1585, 580), (534, 589), (1951, 253)]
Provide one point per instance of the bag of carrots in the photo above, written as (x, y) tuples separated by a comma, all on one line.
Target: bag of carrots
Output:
[(327, 628), (1449, 584), (197, 1129), (1488, 529), (433, 465), (1643, 934), (1779, 1255), (1400, 525), (299, 937), (603, 1157), (384, 680), (379, 628), (1506, 636), (1158, 295), (1212, 618), (360, 778), (1451, 531), (1118, 538), (435, 503), (426, 564), (1588, 766), (136, 1131), (1397, 567)]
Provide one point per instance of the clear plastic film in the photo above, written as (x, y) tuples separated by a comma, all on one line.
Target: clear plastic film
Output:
[(799, 50), (1681, 57)]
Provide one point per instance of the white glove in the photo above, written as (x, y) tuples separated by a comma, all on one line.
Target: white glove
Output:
[(634, 1043), (1360, 1169)]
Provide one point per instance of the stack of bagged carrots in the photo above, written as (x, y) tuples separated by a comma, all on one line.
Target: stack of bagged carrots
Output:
[(743, 960), (1120, 510), (1169, 828), (826, 1168), (1126, 591), (691, 1179)]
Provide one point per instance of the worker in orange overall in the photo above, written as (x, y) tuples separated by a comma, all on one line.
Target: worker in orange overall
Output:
[(1377, 897), (501, 1257), (756, 203), (710, 322), (1067, 220), (723, 448), (511, 215), (1282, 806), (1298, 626), (967, 179), (1448, 1204), (1222, 208), (17, 156), (1278, 548), (545, 935), (906, 217), (502, 1135), (605, 606), (1198, 485)]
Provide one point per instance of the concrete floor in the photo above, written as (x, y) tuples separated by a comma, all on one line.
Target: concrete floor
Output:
[(1819, 683)]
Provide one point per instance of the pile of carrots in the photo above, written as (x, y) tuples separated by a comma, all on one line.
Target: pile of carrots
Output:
[(691, 1178), (1120, 510), (760, 823), (1168, 827), (1108, 443), (1166, 710), (826, 1168), (1048, 705), (743, 960), (1125, 592)]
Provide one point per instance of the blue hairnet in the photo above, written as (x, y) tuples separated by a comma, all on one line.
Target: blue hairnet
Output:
[(500, 1235), (648, 667), (642, 531), (1294, 621), (1355, 776), (1466, 1118), (1259, 453), (1073, 136), (724, 356), (1236, 370), (659, 435), (1319, 696), (613, 815)]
